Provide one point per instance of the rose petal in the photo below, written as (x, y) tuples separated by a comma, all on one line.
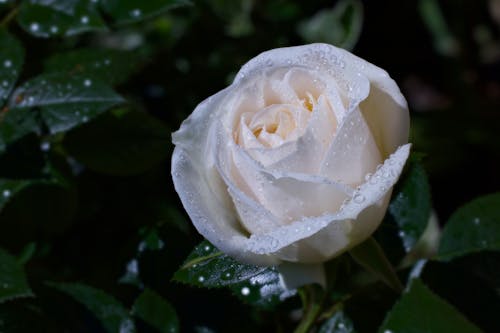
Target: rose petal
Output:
[(202, 192), (370, 193), (288, 196), (293, 275), (353, 152)]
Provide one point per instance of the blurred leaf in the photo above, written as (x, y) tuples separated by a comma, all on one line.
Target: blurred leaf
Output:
[(338, 323), (156, 312), (43, 18), (420, 310), (64, 101), (16, 318), (411, 205), (473, 227), (113, 316), (11, 62), (444, 42), (13, 282), (237, 14), (370, 255), (111, 66), (127, 145), (128, 11), (207, 267), (340, 26)]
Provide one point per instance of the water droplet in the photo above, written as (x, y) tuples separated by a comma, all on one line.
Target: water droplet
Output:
[(54, 29), (341, 326), (135, 13), (7, 63), (207, 248), (84, 19), (388, 331), (85, 119), (245, 291), (401, 233), (358, 198), (45, 146), (201, 278), (6, 193), (107, 62), (5, 83), (477, 220), (34, 27), (87, 82), (227, 275)]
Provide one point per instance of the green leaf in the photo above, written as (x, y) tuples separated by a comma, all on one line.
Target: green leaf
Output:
[(45, 19), (338, 323), (13, 282), (64, 101), (156, 312), (111, 313), (411, 206), (10, 187), (207, 267), (420, 310), (108, 65), (340, 26), (370, 255), (473, 227), (129, 11), (130, 144), (11, 62), (16, 124)]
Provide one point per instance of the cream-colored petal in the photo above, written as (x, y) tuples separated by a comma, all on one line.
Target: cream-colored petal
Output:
[(353, 152), (288, 196), (201, 189), (284, 241)]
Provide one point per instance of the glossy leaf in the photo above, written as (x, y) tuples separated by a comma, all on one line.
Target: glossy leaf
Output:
[(207, 267), (111, 313), (16, 124), (43, 18), (13, 283), (340, 26), (109, 65), (64, 101), (128, 11), (420, 310), (130, 144), (370, 255), (411, 206), (10, 187), (156, 311), (11, 62), (473, 227), (338, 323)]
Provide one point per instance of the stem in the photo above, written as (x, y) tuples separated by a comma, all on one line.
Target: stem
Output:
[(9, 17), (312, 299)]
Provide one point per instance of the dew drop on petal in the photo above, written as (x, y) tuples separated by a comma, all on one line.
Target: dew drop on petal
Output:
[(358, 198)]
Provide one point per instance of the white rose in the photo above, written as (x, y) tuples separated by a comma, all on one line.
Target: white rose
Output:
[(276, 168)]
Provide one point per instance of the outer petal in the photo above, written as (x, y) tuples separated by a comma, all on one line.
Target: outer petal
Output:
[(284, 241), (202, 192)]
